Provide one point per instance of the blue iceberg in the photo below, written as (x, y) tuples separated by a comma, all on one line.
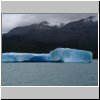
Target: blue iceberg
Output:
[(57, 55)]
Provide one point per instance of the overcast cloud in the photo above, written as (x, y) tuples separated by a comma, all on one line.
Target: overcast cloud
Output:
[(10, 21)]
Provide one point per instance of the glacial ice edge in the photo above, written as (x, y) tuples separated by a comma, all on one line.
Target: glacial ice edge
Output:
[(56, 55)]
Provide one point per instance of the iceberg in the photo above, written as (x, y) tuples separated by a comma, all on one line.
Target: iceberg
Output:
[(71, 55), (24, 57), (57, 55)]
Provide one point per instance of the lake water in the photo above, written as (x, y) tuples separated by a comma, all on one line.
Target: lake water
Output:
[(49, 74)]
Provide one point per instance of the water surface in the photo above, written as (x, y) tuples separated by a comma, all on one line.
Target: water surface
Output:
[(49, 74)]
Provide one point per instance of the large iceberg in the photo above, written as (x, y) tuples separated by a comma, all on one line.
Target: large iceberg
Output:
[(57, 55)]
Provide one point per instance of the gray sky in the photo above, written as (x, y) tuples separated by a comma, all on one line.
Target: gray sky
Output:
[(10, 21)]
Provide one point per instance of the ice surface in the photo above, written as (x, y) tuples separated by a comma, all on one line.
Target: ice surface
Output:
[(57, 55), (71, 55), (24, 57)]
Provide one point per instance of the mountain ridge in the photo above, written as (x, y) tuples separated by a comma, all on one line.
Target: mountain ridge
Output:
[(41, 37)]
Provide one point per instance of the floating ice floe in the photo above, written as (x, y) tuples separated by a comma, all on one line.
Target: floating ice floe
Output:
[(57, 55)]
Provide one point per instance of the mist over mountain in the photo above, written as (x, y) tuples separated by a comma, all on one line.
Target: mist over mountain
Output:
[(42, 38)]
